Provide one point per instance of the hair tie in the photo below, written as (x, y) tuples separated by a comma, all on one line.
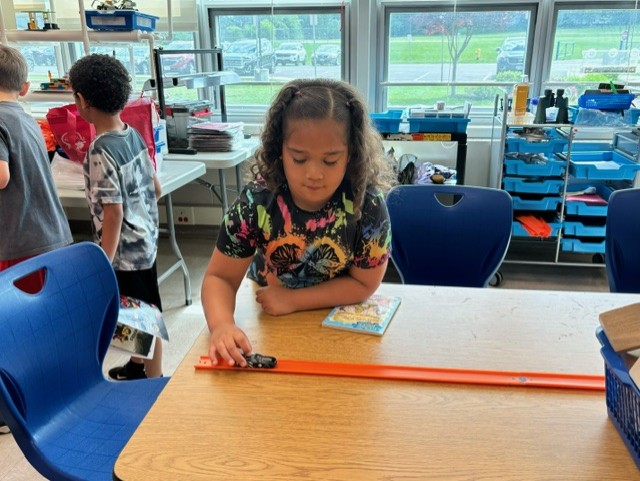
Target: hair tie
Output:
[(297, 93), (348, 104)]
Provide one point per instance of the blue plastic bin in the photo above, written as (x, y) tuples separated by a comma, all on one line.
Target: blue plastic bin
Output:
[(622, 397), (387, 122), (546, 203), (554, 143), (578, 245), (585, 208), (528, 186), (549, 168), (518, 230), (438, 124), (120, 20), (580, 230), (591, 166), (606, 101)]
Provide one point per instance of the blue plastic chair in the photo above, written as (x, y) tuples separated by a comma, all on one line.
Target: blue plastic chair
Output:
[(622, 241), (68, 420), (460, 241)]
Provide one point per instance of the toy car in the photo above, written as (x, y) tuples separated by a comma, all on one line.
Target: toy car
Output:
[(260, 361)]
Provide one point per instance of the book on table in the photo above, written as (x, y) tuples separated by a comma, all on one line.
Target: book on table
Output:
[(368, 317), (139, 323)]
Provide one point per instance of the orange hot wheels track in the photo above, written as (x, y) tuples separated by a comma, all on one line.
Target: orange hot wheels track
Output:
[(429, 374)]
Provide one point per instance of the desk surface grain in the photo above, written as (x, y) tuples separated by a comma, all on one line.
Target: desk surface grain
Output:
[(253, 425)]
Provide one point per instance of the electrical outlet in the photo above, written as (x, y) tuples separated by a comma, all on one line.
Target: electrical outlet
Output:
[(184, 215)]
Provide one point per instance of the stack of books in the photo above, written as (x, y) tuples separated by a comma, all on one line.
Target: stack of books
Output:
[(215, 136)]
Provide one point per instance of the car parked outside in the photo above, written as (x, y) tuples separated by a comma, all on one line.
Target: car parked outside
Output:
[(511, 55), (327, 54), (179, 63), (291, 52), (244, 56)]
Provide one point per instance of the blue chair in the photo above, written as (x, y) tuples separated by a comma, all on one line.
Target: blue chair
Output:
[(68, 420), (622, 241), (451, 235)]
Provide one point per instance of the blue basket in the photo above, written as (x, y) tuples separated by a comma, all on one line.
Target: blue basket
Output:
[(622, 397), (120, 20), (438, 124), (387, 122), (606, 101)]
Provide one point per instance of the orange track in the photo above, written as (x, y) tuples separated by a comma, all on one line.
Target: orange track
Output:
[(430, 374)]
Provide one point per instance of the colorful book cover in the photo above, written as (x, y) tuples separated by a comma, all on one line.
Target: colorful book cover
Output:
[(138, 326), (369, 317)]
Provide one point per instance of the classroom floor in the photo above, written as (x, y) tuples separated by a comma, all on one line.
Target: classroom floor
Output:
[(186, 322)]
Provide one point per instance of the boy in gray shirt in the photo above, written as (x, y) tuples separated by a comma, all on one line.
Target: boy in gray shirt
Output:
[(31, 215)]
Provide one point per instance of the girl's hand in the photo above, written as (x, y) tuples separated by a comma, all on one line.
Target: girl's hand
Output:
[(275, 300), (229, 342)]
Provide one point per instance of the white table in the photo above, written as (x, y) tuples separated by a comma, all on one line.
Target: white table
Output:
[(172, 176), (220, 161)]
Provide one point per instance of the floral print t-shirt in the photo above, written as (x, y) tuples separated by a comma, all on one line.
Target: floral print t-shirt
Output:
[(304, 248)]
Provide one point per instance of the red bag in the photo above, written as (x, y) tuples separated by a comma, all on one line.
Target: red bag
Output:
[(74, 134)]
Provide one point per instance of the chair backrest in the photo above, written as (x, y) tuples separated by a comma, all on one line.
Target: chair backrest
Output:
[(453, 235), (622, 241), (53, 342)]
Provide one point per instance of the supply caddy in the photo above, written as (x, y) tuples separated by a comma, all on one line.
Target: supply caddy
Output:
[(622, 397)]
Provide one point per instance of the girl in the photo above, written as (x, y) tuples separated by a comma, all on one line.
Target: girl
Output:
[(312, 227)]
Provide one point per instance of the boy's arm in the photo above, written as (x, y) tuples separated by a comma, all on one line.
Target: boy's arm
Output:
[(4, 174), (220, 285), (111, 227), (355, 287), (156, 186)]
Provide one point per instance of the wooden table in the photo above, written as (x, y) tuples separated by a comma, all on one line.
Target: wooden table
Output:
[(172, 176), (230, 425)]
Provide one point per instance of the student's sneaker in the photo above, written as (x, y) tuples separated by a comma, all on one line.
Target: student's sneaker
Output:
[(4, 429), (131, 370)]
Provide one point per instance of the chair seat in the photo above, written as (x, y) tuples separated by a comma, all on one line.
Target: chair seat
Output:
[(89, 434)]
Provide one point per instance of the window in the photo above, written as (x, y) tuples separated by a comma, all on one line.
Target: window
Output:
[(593, 45), (270, 46), (454, 54)]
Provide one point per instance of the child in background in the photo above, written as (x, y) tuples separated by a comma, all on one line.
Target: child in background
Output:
[(31, 215), (312, 227), (122, 190)]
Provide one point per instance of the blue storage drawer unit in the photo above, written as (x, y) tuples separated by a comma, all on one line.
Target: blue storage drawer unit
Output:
[(528, 186), (604, 165), (546, 203), (554, 143), (550, 168)]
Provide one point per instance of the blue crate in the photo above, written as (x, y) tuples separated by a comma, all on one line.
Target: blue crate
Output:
[(517, 229), (581, 230), (527, 186), (555, 143), (588, 166), (606, 101), (578, 245), (120, 20), (622, 397), (438, 124), (546, 203), (550, 168), (387, 122)]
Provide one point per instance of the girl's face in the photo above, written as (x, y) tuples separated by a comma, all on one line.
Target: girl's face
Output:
[(314, 157)]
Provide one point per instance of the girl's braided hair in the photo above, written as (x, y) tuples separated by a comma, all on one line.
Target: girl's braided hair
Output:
[(311, 99)]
